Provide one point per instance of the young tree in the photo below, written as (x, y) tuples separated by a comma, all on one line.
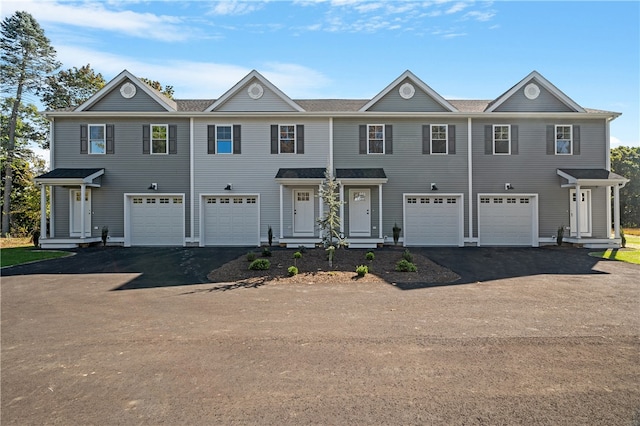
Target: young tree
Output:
[(27, 57), (331, 220), (625, 161), (70, 88)]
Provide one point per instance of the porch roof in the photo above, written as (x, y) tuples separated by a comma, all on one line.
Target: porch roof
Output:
[(307, 175), (361, 176), (71, 177), (591, 177)]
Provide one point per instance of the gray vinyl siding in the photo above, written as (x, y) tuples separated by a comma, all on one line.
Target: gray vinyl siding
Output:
[(420, 101), (269, 102), (545, 102), (533, 171), (126, 171), (113, 101), (407, 169), (254, 170)]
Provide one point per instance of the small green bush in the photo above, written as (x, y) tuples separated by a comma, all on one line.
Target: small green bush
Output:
[(292, 271), (251, 256), (297, 255), (405, 266), (260, 265), (266, 252), (362, 270), (407, 256), (302, 249), (370, 256)]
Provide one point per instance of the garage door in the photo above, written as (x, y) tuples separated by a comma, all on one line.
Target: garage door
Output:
[(156, 220), (505, 220), (433, 220), (231, 220)]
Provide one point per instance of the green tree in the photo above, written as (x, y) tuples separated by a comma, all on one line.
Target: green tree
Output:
[(70, 88), (625, 161), (26, 59), (156, 85), (331, 220)]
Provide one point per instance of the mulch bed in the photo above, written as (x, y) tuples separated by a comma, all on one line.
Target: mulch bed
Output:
[(314, 268)]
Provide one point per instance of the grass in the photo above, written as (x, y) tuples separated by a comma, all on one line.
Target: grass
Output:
[(16, 251), (624, 255)]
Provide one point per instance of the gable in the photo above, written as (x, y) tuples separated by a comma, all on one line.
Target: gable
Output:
[(544, 102), (420, 101), (114, 101), (254, 95)]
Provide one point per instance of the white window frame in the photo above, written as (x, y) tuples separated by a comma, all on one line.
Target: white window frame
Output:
[(493, 136), (446, 139), (369, 139), (556, 139), (151, 139), (230, 126), (295, 138), (104, 140)]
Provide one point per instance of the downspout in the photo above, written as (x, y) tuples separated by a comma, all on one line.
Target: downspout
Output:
[(470, 176), (192, 212), (607, 194), (52, 215)]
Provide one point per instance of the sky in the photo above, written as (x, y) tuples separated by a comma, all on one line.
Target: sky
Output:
[(353, 48)]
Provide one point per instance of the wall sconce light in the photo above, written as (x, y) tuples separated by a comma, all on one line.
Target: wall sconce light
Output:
[(508, 186), (229, 187), (434, 187), (153, 186)]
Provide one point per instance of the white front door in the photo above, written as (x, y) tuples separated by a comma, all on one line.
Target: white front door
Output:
[(76, 213), (303, 212), (585, 212), (359, 212)]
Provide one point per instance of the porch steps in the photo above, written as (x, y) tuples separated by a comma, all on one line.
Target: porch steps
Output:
[(67, 243)]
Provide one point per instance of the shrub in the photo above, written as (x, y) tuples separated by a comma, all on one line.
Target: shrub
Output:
[(251, 256), (396, 234), (270, 235), (302, 249), (362, 270), (266, 252), (297, 255), (370, 256), (623, 239), (260, 265), (292, 271), (407, 256), (560, 235), (405, 266)]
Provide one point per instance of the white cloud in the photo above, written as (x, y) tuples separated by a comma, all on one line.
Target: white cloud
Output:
[(235, 7)]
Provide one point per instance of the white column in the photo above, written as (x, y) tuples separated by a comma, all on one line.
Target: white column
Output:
[(380, 210), (281, 217), (43, 211), (192, 201), (470, 175), (341, 208), (83, 192), (616, 211), (320, 208), (578, 204)]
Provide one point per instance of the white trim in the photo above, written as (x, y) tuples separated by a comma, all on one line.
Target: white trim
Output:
[(52, 130), (534, 212), (127, 211), (446, 139), (217, 151), (384, 142), (104, 133), (493, 139), (555, 139), (458, 195), (470, 174), (151, 126), (202, 238), (192, 182), (295, 139), (281, 211), (331, 144)]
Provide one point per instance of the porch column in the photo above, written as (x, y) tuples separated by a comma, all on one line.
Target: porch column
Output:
[(616, 211), (341, 208), (380, 210), (320, 209), (578, 204), (83, 192), (281, 217), (43, 211)]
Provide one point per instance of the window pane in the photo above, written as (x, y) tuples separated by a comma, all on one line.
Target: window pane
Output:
[(224, 147), (224, 132), (439, 147), (287, 147), (159, 139), (96, 132), (97, 147), (502, 147), (159, 132), (375, 147), (159, 147), (287, 139), (563, 147), (96, 140)]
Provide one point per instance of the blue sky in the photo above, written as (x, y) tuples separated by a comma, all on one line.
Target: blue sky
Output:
[(354, 49)]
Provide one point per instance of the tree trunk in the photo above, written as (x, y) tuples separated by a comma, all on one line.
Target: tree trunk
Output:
[(8, 181)]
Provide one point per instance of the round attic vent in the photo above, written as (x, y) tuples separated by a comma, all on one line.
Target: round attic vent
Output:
[(407, 91), (531, 91), (255, 91), (128, 90)]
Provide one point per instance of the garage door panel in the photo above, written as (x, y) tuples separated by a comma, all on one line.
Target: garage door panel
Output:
[(156, 220), (432, 220), (231, 221), (505, 221)]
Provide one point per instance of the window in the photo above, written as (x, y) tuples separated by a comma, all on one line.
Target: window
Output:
[(412, 200), (97, 139), (287, 139), (375, 139), (438, 139), (159, 139), (501, 139), (563, 140), (224, 142)]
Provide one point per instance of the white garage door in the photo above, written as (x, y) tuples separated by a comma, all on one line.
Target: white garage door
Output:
[(506, 220), (156, 220), (231, 220), (433, 220)]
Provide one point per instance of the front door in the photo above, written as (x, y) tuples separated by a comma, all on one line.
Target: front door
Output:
[(76, 213), (303, 212), (585, 212), (359, 213)]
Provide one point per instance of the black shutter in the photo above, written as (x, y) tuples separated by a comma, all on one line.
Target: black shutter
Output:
[(488, 139), (84, 139), (146, 139), (211, 139), (274, 138), (388, 139), (363, 138), (110, 137), (576, 140), (173, 139), (236, 139), (300, 139), (514, 140), (551, 140), (452, 139), (426, 134)]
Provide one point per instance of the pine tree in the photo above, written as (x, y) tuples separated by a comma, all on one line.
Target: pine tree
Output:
[(331, 220), (27, 57)]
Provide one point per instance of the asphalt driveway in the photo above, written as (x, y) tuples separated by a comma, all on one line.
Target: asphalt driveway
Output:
[(526, 336)]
